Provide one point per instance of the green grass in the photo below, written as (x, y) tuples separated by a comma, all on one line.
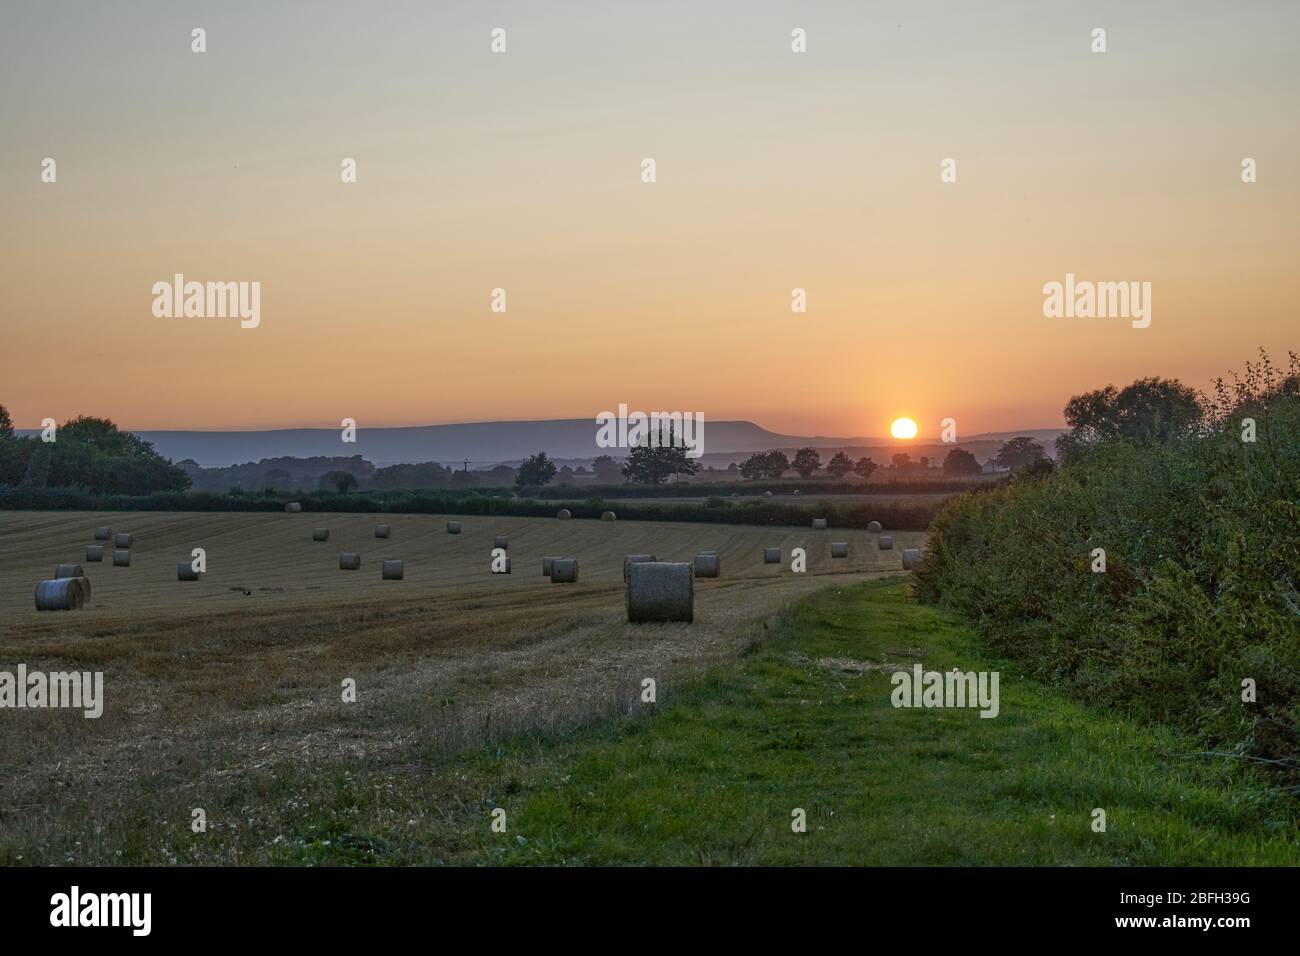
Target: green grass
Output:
[(714, 776)]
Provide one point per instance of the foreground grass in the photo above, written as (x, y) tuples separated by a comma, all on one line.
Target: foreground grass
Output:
[(712, 774), (715, 776)]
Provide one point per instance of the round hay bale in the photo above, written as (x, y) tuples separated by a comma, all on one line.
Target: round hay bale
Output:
[(796, 491), (771, 555), (393, 571), (103, 534), (564, 570), (320, 534), (873, 527), (564, 514), (819, 524), (349, 561), (69, 571), (501, 541), (548, 563), (636, 559), (62, 594), (767, 494), (707, 565), (607, 516), (885, 542), (121, 558), (94, 552), (912, 558), (660, 591), (453, 527), (839, 549), (383, 531), (293, 507), (122, 540), (185, 571), (505, 570)]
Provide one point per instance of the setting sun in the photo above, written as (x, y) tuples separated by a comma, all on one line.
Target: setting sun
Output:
[(903, 428)]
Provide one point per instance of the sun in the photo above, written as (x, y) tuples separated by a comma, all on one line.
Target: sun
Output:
[(903, 428)]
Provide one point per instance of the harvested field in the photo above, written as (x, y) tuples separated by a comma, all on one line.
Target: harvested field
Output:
[(241, 671)]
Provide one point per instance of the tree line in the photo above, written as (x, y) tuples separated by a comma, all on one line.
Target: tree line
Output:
[(86, 453)]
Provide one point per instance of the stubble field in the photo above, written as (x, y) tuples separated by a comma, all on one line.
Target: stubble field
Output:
[(208, 683)]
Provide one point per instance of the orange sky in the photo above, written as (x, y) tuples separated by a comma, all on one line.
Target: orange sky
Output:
[(775, 170)]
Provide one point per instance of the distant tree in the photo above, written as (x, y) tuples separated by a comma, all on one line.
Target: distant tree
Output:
[(499, 476), (341, 481), (961, 462), (415, 476), (1149, 410), (806, 462), (1020, 453), (864, 467), (755, 466), (536, 470), (902, 461), (460, 478), (653, 464), (38, 467), (277, 477), (777, 464), (606, 468), (839, 465), (767, 464), (6, 424), (565, 475), (94, 455)]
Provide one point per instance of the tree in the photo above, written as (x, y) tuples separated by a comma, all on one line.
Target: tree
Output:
[(536, 470), (38, 468), (653, 464), (806, 461), (6, 424), (1020, 453), (277, 476), (902, 461), (864, 468), (343, 481), (839, 465), (766, 464), (755, 466), (90, 454), (606, 468), (1149, 410), (961, 462)]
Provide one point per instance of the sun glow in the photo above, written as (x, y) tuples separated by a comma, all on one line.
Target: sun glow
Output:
[(903, 428)]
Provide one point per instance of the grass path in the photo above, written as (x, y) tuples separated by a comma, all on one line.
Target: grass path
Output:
[(714, 775)]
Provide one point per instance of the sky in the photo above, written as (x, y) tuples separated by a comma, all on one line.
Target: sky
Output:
[(522, 171)]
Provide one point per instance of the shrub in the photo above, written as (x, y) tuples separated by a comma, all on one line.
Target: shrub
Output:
[(1202, 541)]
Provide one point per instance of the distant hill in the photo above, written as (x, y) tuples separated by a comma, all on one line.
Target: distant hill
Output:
[(490, 443)]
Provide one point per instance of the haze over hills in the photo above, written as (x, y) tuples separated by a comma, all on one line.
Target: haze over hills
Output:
[(490, 443)]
